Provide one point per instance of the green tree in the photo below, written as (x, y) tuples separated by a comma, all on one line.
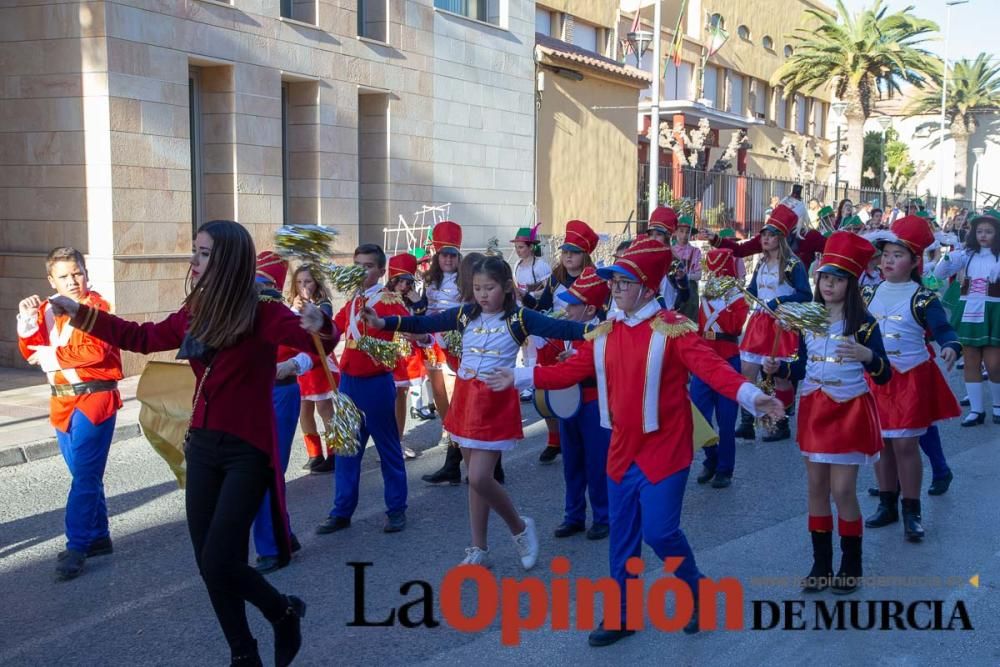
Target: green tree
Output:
[(973, 88), (871, 159), (863, 56)]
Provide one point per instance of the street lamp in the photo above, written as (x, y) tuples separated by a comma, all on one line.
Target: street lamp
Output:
[(884, 122), (838, 109), (944, 95), (639, 40), (978, 152)]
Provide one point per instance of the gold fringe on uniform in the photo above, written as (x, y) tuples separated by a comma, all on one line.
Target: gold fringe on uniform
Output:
[(602, 329), (674, 329)]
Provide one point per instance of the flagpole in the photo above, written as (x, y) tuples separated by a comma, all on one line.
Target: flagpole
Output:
[(654, 116)]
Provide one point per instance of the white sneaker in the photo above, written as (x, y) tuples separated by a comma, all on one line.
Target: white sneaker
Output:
[(476, 556), (527, 544), (408, 453)]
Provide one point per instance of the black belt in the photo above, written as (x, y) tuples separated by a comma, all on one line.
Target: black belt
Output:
[(284, 382), (728, 338), (81, 388)]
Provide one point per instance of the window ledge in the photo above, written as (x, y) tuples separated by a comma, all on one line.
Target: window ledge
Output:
[(372, 40), (470, 19), (290, 21), (220, 3)]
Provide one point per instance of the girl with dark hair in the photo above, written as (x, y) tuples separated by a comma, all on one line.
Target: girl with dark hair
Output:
[(976, 316), (531, 270), (317, 394), (230, 335), (483, 422), (779, 278), (836, 400), (917, 396), (845, 209)]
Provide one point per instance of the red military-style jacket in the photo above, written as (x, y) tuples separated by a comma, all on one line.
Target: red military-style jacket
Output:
[(642, 365), (353, 361), (720, 322), (235, 394), (73, 357)]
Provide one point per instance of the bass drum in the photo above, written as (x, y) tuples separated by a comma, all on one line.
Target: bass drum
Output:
[(559, 403)]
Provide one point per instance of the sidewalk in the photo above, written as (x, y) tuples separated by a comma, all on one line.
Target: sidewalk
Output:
[(25, 431)]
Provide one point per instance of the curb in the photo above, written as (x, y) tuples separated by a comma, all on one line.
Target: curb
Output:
[(47, 447)]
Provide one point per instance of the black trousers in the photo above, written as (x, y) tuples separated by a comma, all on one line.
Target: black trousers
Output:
[(226, 481)]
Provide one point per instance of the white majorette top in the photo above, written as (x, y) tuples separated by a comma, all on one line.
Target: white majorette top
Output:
[(838, 378), (902, 335), (444, 296)]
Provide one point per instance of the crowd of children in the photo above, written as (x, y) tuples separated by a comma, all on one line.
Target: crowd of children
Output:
[(636, 339)]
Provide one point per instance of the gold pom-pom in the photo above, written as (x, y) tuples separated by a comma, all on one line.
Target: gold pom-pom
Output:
[(453, 341), (809, 316), (384, 352), (344, 427)]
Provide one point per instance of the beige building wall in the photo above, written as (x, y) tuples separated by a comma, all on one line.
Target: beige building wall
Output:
[(95, 138), (586, 157)]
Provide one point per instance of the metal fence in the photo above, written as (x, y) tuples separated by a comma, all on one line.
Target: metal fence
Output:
[(729, 200)]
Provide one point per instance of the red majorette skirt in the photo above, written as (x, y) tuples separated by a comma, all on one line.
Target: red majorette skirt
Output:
[(826, 426), (410, 369), (914, 399), (758, 339), (313, 383), (479, 413)]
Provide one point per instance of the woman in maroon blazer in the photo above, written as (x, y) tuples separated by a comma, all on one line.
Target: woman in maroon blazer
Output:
[(230, 335)]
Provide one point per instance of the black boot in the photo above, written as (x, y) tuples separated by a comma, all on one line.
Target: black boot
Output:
[(848, 577), (245, 656), (288, 632), (745, 430), (450, 472), (782, 431), (887, 512), (821, 573), (912, 527)]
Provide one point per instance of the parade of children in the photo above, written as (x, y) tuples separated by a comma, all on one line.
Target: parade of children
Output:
[(619, 350)]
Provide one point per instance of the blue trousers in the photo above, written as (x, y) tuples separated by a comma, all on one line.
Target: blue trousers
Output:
[(286, 413), (585, 460), (643, 511), (930, 442), (85, 449), (375, 396), (722, 457)]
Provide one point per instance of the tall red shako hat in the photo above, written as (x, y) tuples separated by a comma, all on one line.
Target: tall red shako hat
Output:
[(663, 219), (403, 265), (589, 289), (272, 268), (846, 254), (447, 237), (645, 261), (580, 237), (721, 262), (782, 219)]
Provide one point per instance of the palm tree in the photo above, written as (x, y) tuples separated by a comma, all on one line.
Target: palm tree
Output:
[(864, 56), (973, 87)]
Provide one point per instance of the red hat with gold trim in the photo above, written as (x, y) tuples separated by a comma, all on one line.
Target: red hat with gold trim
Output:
[(911, 231), (589, 289), (447, 237), (782, 219), (579, 237), (403, 265), (272, 268), (721, 262), (645, 261), (846, 254), (663, 219)]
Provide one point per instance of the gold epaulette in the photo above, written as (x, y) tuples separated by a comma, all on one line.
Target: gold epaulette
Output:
[(673, 325), (389, 298), (267, 298), (602, 329)]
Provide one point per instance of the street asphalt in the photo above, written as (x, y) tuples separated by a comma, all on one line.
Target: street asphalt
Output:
[(145, 604)]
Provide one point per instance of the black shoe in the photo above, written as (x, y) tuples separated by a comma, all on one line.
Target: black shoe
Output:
[(912, 528), (745, 430), (332, 524), (782, 431), (71, 566), (450, 472), (312, 462), (821, 573), (706, 475), (965, 402), (722, 481), (288, 632), (568, 529), (324, 467), (973, 419), (394, 522), (939, 486), (849, 575), (268, 564), (873, 491), (246, 656), (602, 637), (100, 547), (549, 454), (423, 414), (887, 512), (598, 531)]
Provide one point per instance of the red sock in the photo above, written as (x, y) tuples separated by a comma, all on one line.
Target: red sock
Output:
[(786, 396), (554, 439), (849, 528), (821, 524), (314, 446)]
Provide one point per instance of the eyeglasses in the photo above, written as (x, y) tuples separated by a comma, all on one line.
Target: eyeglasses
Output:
[(622, 285)]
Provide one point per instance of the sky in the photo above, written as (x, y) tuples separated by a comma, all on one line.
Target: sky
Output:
[(972, 24)]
